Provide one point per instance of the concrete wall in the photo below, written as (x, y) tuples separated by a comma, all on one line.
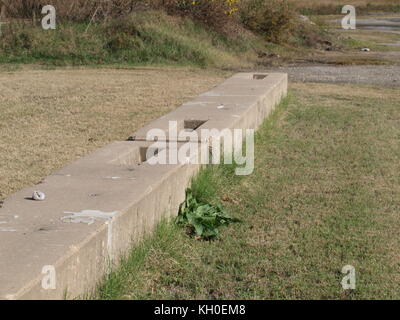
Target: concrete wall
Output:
[(100, 206)]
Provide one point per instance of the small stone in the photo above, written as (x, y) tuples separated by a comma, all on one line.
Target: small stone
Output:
[(38, 196)]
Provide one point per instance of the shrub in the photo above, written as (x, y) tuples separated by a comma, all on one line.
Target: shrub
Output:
[(121, 34), (215, 14), (272, 19), (73, 10), (16, 36)]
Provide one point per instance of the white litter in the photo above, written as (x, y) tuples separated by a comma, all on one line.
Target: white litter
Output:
[(38, 196), (366, 49)]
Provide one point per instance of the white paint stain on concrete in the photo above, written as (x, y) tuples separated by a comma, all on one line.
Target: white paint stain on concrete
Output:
[(7, 229), (87, 216), (119, 178)]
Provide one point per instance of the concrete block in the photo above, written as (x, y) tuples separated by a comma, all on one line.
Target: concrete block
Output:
[(113, 179), (241, 102), (100, 206)]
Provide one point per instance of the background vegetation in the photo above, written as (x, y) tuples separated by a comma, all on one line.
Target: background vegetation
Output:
[(220, 33)]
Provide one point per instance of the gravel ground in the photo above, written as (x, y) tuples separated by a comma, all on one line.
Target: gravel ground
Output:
[(388, 76)]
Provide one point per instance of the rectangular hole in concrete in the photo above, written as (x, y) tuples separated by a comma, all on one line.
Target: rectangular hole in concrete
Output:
[(191, 125), (143, 153), (259, 76)]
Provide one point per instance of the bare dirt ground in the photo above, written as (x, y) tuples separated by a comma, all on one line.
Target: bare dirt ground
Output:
[(52, 117)]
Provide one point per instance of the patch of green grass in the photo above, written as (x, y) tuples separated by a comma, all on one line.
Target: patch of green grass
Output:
[(140, 39), (152, 38), (325, 193)]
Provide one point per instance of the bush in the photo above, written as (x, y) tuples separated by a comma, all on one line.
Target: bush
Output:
[(73, 10), (272, 19), (16, 36), (216, 14), (213, 13)]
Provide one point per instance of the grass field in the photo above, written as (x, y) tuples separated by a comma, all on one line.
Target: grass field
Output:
[(326, 189), (51, 117), (325, 193)]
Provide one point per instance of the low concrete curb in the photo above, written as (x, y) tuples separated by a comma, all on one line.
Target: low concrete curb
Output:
[(100, 206)]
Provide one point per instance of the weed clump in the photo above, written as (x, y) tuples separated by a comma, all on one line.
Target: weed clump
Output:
[(202, 219)]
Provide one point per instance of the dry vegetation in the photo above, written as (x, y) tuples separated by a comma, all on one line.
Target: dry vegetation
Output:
[(50, 118), (73, 9), (216, 33), (215, 13)]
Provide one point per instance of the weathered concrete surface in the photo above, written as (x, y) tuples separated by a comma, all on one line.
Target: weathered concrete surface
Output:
[(110, 180), (98, 207), (241, 102)]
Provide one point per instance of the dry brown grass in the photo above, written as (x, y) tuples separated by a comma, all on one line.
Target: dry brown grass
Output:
[(49, 118)]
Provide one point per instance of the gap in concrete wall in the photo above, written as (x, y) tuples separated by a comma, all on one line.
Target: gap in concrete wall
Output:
[(192, 125), (259, 76), (145, 151)]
